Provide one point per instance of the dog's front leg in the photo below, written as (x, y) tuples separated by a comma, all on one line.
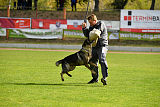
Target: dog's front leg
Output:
[(92, 71), (93, 64)]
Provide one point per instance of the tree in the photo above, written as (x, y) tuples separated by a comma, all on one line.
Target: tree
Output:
[(35, 4), (96, 7), (119, 4), (4, 3), (152, 5)]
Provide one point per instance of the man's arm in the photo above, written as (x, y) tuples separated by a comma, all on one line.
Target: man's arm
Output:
[(85, 30), (104, 34), (104, 30)]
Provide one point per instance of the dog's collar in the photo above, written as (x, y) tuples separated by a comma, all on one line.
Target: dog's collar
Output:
[(85, 50)]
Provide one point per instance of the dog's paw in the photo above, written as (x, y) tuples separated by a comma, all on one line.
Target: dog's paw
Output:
[(62, 79), (62, 76), (68, 74)]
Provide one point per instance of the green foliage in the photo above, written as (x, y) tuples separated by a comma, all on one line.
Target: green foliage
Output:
[(4, 2), (103, 4), (119, 4), (30, 78)]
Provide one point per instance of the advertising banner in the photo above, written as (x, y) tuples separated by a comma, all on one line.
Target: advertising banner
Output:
[(77, 25), (18, 23), (38, 33), (112, 26), (74, 24), (141, 21), (140, 36), (2, 32), (49, 24), (113, 36)]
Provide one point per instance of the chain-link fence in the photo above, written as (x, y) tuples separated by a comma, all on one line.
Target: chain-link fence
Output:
[(110, 15)]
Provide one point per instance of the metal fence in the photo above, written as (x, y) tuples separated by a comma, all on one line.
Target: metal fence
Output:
[(53, 13)]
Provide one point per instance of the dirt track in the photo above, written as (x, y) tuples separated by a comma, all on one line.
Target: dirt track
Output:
[(77, 50)]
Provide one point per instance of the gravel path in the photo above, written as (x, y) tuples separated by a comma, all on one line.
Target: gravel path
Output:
[(77, 50)]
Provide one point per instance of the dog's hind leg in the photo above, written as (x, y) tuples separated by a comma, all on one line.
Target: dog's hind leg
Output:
[(68, 74), (62, 76)]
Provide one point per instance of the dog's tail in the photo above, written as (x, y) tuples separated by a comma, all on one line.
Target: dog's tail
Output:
[(58, 62)]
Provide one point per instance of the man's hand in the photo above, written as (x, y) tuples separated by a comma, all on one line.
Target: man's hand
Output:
[(84, 25)]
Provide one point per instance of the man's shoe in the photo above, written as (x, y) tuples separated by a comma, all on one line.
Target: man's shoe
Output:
[(93, 81), (104, 81)]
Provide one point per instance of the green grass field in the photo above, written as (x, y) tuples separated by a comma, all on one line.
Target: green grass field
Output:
[(31, 79)]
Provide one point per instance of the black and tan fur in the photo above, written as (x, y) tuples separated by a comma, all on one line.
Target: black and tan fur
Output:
[(79, 58)]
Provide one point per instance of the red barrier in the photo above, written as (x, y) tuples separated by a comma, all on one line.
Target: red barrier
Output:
[(15, 23)]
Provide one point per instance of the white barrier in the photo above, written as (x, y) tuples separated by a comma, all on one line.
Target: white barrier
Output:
[(141, 21)]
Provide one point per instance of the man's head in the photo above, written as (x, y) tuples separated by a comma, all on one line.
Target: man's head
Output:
[(92, 19)]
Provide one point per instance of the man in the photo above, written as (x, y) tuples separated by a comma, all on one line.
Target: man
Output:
[(100, 50), (35, 4), (73, 4)]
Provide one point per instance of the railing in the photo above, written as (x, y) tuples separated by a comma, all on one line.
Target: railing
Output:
[(53, 8)]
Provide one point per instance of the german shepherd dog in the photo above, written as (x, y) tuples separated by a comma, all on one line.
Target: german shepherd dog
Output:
[(79, 58)]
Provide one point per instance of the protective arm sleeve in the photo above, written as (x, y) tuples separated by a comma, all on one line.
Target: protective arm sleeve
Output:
[(85, 32)]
